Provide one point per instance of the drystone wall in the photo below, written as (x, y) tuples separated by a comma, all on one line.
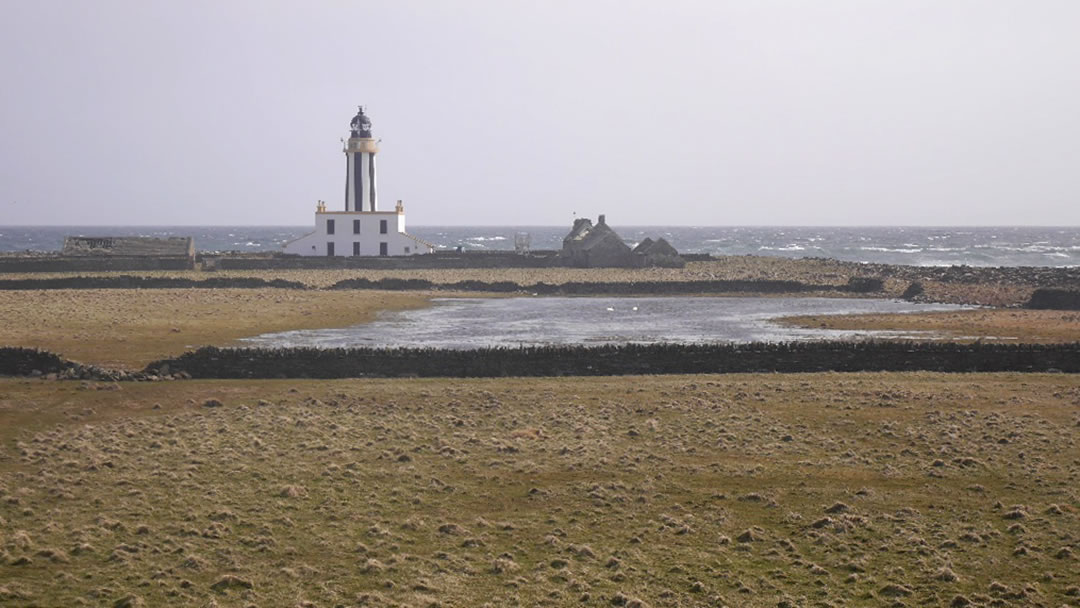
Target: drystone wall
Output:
[(536, 259), (859, 285), (129, 246), (134, 282), (212, 362), (1054, 299), (57, 263)]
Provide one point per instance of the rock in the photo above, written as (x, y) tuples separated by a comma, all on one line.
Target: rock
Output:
[(212, 403), (894, 590), (231, 582), (947, 575), (129, 601), (913, 291)]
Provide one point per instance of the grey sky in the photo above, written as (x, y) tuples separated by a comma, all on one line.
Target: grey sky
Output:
[(509, 112)]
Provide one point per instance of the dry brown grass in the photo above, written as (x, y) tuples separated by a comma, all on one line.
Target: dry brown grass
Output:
[(132, 327), (1029, 326), (739, 490)]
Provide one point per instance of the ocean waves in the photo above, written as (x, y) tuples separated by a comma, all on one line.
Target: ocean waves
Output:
[(936, 246)]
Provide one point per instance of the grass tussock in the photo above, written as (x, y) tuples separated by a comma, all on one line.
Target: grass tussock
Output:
[(739, 490)]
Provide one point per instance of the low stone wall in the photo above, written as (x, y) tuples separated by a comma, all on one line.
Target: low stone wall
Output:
[(212, 362), (501, 259), (1054, 299), (44, 263), (18, 361), (855, 285), (134, 282), (129, 246)]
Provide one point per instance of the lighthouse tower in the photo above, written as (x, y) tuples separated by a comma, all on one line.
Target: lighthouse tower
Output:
[(360, 150), (361, 229)]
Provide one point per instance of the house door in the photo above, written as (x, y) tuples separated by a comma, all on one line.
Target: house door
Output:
[(330, 249), (383, 249)]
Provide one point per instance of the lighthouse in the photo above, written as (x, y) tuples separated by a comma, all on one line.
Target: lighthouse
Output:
[(361, 229), (361, 193)]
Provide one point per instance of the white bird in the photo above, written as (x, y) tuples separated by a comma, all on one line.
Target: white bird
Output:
[(634, 308), (610, 309)]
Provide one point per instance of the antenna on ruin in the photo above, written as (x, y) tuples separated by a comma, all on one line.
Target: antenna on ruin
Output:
[(522, 242)]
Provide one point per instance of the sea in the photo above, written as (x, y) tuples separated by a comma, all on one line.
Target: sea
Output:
[(918, 246)]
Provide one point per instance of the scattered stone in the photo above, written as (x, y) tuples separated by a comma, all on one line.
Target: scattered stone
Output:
[(129, 601), (230, 581), (947, 575), (292, 492), (894, 590)]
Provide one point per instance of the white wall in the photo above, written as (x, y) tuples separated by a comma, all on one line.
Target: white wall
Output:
[(369, 238)]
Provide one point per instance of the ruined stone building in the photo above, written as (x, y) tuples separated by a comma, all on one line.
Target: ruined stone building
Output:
[(589, 246)]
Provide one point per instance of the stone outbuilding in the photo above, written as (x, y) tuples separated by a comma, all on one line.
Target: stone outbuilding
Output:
[(657, 253), (589, 246)]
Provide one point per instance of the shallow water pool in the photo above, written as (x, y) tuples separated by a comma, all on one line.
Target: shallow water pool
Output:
[(463, 323)]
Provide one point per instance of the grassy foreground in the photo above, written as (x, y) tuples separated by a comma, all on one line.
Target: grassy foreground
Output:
[(738, 490)]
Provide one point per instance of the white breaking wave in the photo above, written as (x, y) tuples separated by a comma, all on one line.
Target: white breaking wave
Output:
[(892, 250)]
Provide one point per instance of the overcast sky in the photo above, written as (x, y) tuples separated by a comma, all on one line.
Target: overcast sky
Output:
[(507, 112)]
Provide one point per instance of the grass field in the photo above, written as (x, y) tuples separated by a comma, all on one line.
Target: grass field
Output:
[(739, 490), (736, 490), (991, 324), (129, 328)]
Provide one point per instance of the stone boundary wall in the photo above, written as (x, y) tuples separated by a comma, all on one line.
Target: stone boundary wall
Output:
[(135, 282), (19, 361), (1054, 299), (500, 259), (129, 246), (92, 264), (855, 285), (213, 362), (792, 357)]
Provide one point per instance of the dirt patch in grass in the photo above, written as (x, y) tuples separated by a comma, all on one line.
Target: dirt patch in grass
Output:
[(132, 327), (1027, 326), (739, 490)]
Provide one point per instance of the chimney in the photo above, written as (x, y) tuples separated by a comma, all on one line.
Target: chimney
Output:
[(600, 220)]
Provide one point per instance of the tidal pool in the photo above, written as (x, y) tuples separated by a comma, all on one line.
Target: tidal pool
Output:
[(463, 323)]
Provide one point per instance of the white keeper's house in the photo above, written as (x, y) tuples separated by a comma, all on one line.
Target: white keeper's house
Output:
[(361, 229)]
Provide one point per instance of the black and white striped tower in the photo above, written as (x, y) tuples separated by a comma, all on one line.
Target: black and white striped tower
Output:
[(360, 151)]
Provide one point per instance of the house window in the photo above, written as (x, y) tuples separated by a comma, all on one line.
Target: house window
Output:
[(356, 226), (382, 226), (383, 248), (330, 247), (329, 226), (356, 248), (406, 250)]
